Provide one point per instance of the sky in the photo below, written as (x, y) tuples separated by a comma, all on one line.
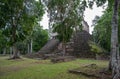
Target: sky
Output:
[(89, 16), (45, 21)]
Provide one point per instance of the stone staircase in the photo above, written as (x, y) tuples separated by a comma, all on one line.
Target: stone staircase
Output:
[(50, 46), (47, 50), (79, 46)]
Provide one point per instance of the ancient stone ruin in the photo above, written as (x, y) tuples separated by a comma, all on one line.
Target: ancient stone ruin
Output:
[(81, 45), (78, 46), (85, 26), (47, 50)]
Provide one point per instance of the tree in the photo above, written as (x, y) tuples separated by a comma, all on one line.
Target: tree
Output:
[(18, 18), (65, 16), (102, 30), (114, 64), (115, 57), (40, 37), (3, 43), (63, 34)]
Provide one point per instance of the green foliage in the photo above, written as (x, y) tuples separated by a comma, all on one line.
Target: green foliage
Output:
[(65, 16), (18, 18), (95, 48), (3, 41), (100, 2), (22, 47), (102, 30), (63, 34), (40, 38)]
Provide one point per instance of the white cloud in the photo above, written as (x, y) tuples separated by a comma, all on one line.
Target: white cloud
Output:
[(90, 15), (45, 21)]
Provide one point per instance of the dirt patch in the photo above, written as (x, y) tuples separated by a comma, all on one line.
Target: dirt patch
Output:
[(92, 70), (41, 62), (62, 59), (7, 70)]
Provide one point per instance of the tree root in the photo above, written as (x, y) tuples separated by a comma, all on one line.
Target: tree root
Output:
[(14, 57)]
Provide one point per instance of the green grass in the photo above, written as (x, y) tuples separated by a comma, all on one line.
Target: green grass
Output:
[(42, 69)]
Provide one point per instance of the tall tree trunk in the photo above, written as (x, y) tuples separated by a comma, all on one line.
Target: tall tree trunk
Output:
[(28, 48), (11, 51), (4, 51), (64, 48), (15, 53), (49, 25), (31, 41), (115, 59)]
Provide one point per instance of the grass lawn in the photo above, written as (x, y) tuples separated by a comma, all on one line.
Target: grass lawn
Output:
[(42, 69)]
